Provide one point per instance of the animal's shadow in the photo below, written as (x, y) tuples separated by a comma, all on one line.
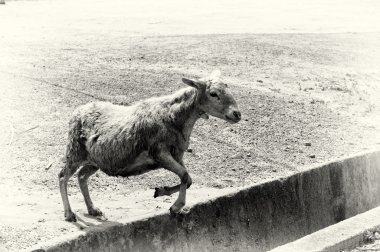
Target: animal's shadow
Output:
[(82, 224)]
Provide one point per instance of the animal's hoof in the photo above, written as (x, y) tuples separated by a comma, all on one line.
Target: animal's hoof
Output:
[(70, 217), (156, 192), (95, 212), (178, 212), (160, 191), (185, 210)]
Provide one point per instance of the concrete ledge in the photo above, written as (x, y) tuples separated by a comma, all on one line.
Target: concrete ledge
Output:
[(257, 218), (344, 235)]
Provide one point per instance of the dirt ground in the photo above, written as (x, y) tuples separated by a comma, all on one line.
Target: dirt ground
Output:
[(305, 99)]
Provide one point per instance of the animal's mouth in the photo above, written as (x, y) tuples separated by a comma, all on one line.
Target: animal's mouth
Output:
[(231, 120)]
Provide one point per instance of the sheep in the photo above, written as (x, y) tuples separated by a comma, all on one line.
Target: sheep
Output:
[(150, 134)]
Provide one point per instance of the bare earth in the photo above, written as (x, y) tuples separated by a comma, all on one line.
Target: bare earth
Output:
[(305, 98)]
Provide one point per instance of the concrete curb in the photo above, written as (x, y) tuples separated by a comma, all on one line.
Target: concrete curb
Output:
[(256, 218), (347, 234)]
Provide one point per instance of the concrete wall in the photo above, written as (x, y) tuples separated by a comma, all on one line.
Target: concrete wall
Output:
[(343, 236), (257, 218)]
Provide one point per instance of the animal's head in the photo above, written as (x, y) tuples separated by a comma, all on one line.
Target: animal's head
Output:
[(216, 99)]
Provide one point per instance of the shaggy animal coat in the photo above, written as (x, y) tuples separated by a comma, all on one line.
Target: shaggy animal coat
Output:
[(124, 140)]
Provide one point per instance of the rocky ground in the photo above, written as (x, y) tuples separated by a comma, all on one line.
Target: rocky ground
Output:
[(305, 99)]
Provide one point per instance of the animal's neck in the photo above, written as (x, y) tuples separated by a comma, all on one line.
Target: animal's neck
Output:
[(185, 111)]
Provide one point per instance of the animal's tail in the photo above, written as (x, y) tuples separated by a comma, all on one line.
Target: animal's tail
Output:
[(76, 149)]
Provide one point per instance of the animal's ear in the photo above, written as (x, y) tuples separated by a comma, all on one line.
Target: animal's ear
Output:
[(192, 83), (215, 75)]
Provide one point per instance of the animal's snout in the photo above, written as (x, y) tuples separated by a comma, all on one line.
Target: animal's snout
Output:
[(237, 115), (233, 116)]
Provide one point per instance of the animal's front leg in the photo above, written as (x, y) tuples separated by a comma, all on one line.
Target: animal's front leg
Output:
[(167, 161), (169, 190)]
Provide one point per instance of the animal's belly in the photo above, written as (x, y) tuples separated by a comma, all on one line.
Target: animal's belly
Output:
[(141, 164), (137, 171)]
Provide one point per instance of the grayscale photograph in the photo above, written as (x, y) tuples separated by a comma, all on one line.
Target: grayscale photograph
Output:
[(190, 126)]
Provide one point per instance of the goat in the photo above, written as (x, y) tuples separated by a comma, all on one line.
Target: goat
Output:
[(150, 134)]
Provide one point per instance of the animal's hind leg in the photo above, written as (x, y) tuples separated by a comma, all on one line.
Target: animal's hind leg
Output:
[(63, 178), (83, 176)]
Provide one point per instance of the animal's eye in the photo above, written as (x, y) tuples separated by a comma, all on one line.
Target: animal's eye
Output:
[(213, 94)]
